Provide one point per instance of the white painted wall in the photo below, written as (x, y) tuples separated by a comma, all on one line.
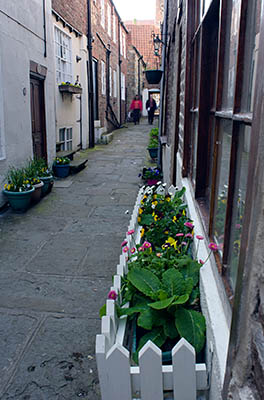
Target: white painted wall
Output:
[(22, 40), (145, 97), (67, 105)]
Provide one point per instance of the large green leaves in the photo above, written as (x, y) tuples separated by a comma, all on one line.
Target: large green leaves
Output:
[(157, 336), (145, 281), (160, 305), (191, 325), (175, 283)]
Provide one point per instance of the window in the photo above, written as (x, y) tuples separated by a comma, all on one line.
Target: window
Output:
[(123, 86), (2, 143), (103, 13), (124, 45), (63, 54), (103, 77), (114, 28), (109, 19), (65, 135), (216, 152), (115, 83), (110, 82)]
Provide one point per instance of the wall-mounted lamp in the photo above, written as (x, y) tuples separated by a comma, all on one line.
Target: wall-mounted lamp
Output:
[(78, 58), (157, 42)]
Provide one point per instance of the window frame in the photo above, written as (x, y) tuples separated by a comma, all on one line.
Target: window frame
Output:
[(66, 141), (68, 61)]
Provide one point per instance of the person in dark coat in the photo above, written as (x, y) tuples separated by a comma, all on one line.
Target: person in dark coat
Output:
[(136, 107), (151, 106)]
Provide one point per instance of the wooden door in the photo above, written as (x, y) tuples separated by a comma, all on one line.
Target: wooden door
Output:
[(38, 118)]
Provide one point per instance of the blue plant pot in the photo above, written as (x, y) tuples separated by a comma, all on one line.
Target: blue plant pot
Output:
[(19, 201), (153, 152), (61, 171), (48, 183)]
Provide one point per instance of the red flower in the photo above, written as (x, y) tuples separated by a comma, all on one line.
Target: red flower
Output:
[(131, 232), (189, 225), (201, 262), (199, 237), (132, 251), (124, 243), (188, 235), (146, 245), (213, 246), (179, 234), (112, 295), (125, 249)]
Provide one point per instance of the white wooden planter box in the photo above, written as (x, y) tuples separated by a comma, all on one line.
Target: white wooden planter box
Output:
[(182, 380)]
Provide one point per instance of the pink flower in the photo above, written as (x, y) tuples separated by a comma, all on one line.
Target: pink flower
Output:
[(184, 243), (112, 295), (131, 232), (189, 224), (124, 243), (199, 237), (132, 251), (213, 246), (238, 226), (146, 245), (125, 249), (141, 248), (201, 262), (188, 235), (158, 254), (179, 234)]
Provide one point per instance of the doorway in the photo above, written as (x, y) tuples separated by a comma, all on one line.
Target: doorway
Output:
[(38, 118)]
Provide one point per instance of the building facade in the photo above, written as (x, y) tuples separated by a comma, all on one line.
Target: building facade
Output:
[(27, 73), (70, 59), (109, 50), (212, 139)]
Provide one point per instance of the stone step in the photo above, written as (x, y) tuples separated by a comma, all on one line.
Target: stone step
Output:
[(66, 153), (78, 165)]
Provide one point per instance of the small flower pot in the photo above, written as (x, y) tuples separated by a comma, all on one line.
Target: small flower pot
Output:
[(19, 201), (151, 182), (153, 152), (36, 195), (61, 171), (48, 183), (153, 76)]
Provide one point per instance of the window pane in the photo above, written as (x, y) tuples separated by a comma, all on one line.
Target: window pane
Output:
[(232, 31), (195, 141), (239, 201), (251, 54), (223, 177)]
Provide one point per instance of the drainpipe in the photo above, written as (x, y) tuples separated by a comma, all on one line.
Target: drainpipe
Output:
[(80, 120), (90, 77), (162, 86), (119, 77), (44, 28), (139, 89), (108, 52)]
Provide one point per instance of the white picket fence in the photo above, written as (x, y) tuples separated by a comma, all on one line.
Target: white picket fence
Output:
[(150, 380)]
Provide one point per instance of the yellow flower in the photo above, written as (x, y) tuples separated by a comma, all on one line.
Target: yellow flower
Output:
[(5, 186), (184, 213), (140, 211), (8, 187), (154, 203), (153, 214), (156, 218), (223, 201), (145, 197), (167, 198), (142, 232), (154, 196), (174, 219), (166, 232), (139, 219)]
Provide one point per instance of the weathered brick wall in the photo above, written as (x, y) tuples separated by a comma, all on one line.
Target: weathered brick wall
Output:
[(73, 11), (132, 75)]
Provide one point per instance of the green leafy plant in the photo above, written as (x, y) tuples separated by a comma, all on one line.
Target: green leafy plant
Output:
[(17, 180), (61, 161)]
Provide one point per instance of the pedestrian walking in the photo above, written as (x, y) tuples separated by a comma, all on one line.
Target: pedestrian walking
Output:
[(151, 106), (136, 107)]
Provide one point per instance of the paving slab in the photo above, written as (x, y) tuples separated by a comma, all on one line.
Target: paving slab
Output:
[(56, 267)]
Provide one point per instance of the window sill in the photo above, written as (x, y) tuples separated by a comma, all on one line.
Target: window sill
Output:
[(70, 89)]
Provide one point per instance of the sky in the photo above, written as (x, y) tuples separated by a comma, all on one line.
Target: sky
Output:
[(135, 9)]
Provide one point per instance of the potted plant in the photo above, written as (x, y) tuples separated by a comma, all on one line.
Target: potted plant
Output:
[(67, 87), (61, 167), (153, 76), (32, 175), (45, 175), (153, 147), (151, 175), (18, 189)]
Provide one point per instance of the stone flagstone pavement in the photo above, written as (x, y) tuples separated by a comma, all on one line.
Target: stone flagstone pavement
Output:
[(56, 265)]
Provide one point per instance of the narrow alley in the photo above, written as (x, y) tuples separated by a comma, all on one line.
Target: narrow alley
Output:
[(57, 261)]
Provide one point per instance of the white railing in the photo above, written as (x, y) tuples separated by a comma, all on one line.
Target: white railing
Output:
[(150, 380)]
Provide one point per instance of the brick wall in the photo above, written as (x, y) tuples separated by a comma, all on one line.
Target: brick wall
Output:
[(73, 11)]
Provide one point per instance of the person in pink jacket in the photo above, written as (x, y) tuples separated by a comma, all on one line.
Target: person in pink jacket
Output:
[(136, 107)]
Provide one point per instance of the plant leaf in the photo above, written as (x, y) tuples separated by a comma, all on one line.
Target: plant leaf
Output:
[(102, 311), (145, 281), (173, 282), (181, 299), (170, 329), (191, 325), (147, 319), (156, 336), (146, 219), (160, 305)]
